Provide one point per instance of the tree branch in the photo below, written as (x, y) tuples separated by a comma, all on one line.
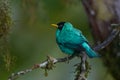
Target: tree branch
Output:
[(83, 68), (41, 65), (110, 38)]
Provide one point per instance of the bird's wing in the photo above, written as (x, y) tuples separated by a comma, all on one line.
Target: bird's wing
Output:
[(72, 38)]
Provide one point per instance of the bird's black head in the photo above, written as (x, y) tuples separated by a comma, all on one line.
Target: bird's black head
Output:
[(60, 25)]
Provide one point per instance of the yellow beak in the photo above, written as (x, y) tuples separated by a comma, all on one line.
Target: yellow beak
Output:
[(54, 25)]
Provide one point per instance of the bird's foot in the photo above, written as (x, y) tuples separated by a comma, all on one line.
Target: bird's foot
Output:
[(67, 61)]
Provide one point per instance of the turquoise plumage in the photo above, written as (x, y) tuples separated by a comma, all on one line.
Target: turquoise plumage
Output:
[(71, 40)]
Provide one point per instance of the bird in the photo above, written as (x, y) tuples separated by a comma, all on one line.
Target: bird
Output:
[(71, 40)]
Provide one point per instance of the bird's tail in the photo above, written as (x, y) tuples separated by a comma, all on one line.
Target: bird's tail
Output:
[(90, 52)]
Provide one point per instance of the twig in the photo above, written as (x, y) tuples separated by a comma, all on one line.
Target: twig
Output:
[(41, 65), (110, 38), (82, 68)]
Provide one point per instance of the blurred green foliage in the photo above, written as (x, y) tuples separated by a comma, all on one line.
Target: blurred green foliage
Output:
[(32, 38)]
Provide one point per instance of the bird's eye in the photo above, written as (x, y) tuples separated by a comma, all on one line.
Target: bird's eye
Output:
[(60, 27)]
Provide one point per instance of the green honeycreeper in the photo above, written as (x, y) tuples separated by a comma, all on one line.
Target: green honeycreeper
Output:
[(71, 40)]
